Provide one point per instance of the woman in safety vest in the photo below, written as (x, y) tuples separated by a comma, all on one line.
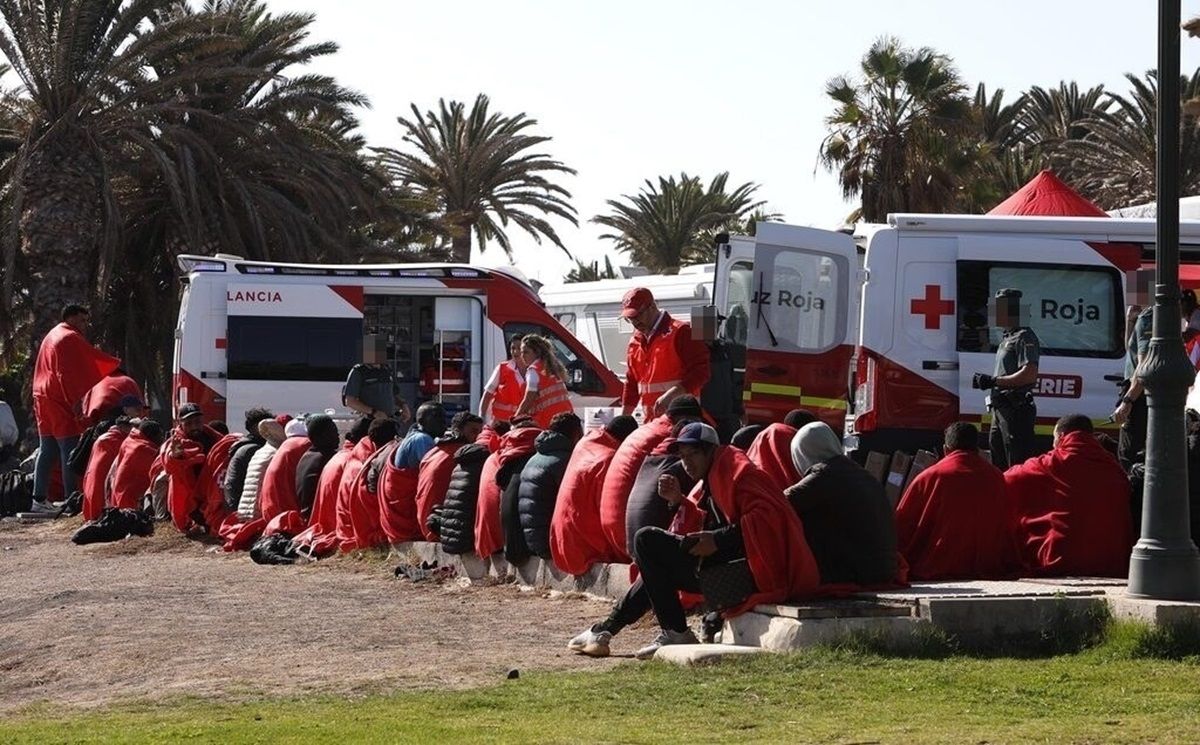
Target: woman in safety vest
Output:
[(545, 392), (506, 388)]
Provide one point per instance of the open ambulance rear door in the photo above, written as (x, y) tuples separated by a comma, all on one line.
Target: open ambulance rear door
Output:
[(796, 297)]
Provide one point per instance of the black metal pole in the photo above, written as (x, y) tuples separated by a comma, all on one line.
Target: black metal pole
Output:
[(1165, 564)]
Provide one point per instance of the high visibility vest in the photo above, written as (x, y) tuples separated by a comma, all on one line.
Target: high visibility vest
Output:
[(509, 392), (655, 364), (552, 397)]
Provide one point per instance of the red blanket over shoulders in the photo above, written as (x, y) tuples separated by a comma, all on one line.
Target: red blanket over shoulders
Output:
[(131, 471), (489, 530), (618, 482), (67, 367), (576, 539), (955, 522), (357, 509), (105, 395), (433, 481), (188, 478), (277, 494), (771, 451), (95, 478), (321, 534), (1072, 510), (780, 559)]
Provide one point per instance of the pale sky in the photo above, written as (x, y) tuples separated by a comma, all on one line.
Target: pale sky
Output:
[(631, 90)]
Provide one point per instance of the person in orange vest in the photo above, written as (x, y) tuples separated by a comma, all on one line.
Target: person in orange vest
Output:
[(506, 388), (663, 360), (545, 392)]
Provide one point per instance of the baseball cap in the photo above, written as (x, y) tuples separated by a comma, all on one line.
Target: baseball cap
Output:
[(187, 411), (696, 433), (295, 428), (131, 401), (635, 301)]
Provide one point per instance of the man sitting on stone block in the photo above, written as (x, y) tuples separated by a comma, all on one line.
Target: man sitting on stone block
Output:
[(953, 521), (1071, 507)]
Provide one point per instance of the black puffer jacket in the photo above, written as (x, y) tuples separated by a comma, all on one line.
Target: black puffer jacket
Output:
[(235, 473), (645, 508), (540, 480), (456, 516)]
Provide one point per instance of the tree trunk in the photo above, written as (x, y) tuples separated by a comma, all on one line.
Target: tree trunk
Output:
[(460, 245), (60, 224)]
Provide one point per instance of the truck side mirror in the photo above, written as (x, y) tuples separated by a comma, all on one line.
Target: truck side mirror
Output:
[(704, 322)]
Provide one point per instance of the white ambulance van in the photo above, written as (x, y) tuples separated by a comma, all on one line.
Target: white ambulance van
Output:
[(285, 336), (592, 310), (881, 332)]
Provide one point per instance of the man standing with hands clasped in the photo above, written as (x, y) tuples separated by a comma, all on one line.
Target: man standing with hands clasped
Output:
[(1010, 387), (663, 360)]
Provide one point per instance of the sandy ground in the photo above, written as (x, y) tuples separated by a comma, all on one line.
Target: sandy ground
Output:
[(148, 618)]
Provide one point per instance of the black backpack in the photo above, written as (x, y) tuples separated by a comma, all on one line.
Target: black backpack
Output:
[(77, 461), (16, 493)]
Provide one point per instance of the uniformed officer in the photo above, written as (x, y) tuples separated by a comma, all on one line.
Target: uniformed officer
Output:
[(1011, 385), (371, 388)]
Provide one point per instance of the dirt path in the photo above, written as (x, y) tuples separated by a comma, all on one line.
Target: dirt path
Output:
[(147, 618)]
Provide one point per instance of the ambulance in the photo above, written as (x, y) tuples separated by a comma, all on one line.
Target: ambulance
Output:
[(880, 332), (284, 336)]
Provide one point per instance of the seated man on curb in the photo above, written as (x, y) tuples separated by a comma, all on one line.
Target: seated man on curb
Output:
[(433, 474), (1072, 506), (953, 520), (733, 514)]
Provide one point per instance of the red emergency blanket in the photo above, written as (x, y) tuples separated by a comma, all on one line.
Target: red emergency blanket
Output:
[(618, 482), (190, 478), (131, 471), (358, 509), (1072, 510), (955, 522), (489, 530), (277, 494), (780, 560), (771, 451), (103, 398), (576, 539), (95, 478), (66, 369), (433, 481), (320, 537)]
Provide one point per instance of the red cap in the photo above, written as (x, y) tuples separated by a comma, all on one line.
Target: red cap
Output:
[(635, 301), (283, 419)]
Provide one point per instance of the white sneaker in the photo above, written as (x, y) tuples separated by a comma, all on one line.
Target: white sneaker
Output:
[(666, 639), (591, 642)]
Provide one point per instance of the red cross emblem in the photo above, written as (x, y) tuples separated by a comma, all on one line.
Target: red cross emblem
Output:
[(932, 307)]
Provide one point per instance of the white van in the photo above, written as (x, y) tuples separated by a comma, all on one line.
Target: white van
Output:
[(285, 336), (902, 373)]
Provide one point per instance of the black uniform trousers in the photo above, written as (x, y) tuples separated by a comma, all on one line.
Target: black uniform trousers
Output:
[(1011, 436)]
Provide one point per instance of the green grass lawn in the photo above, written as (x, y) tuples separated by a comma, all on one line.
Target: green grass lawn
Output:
[(1107, 694)]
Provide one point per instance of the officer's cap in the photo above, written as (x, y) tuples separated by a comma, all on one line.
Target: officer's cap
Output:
[(1008, 292)]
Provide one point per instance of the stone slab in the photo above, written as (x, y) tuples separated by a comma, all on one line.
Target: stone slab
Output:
[(783, 634), (838, 609), (1154, 612), (703, 654), (984, 589), (974, 620)]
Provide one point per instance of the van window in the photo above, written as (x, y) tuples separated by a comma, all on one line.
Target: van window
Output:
[(282, 348), (794, 303), (614, 334), (737, 305), (1075, 311), (582, 378)]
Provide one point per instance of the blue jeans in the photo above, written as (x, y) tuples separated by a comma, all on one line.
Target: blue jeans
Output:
[(52, 450)]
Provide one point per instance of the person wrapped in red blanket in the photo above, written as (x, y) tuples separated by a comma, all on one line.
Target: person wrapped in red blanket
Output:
[(954, 520), (358, 506), (185, 460), (320, 536), (576, 538), (399, 472), (96, 486), (435, 469), (1071, 506), (515, 446), (771, 450), (131, 471), (278, 493), (113, 395), (734, 516)]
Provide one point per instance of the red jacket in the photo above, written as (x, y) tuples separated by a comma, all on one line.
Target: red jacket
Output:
[(433, 481), (780, 560), (105, 395), (277, 493), (576, 539), (771, 451), (131, 471), (1072, 510), (669, 356), (321, 534), (95, 478), (67, 367), (618, 481), (955, 522), (489, 530)]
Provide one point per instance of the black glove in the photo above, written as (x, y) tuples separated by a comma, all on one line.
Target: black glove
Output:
[(983, 381)]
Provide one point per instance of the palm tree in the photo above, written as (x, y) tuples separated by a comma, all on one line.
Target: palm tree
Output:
[(1114, 164), (592, 272), (1055, 117), (671, 223), (898, 136), (478, 168)]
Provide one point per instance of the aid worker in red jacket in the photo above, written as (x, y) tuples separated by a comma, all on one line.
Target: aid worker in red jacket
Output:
[(663, 360), (506, 388)]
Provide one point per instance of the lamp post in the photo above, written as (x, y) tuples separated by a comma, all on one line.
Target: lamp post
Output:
[(1165, 564)]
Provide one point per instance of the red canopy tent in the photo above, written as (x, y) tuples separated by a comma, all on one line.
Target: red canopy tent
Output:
[(1047, 196)]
